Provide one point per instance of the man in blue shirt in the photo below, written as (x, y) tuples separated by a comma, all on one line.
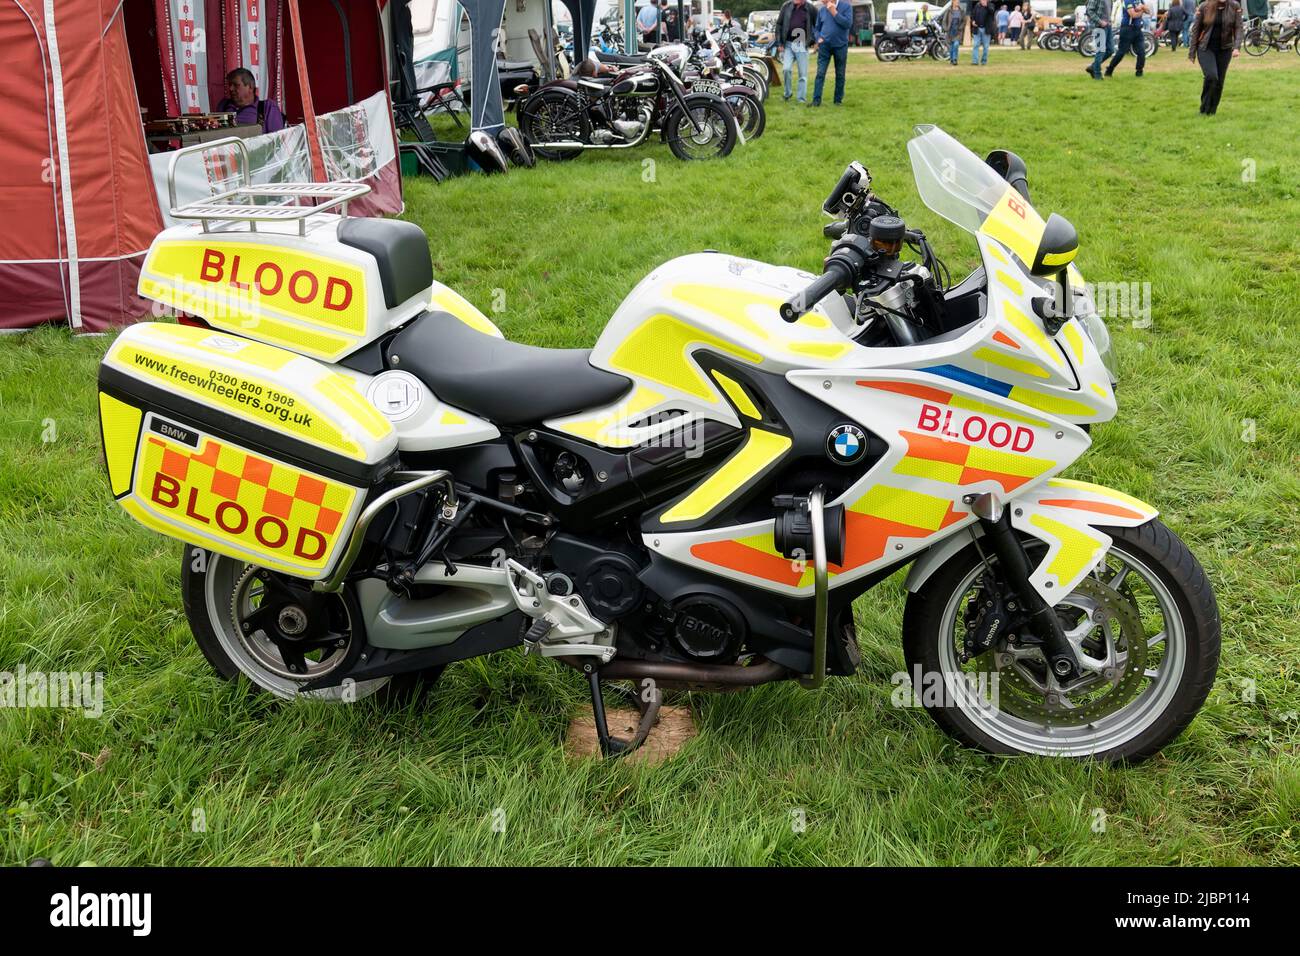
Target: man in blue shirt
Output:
[(1130, 36), (241, 99), (647, 23), (832, 36)]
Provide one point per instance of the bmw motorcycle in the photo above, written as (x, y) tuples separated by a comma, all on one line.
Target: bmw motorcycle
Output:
[(618, 108), (372, 483)]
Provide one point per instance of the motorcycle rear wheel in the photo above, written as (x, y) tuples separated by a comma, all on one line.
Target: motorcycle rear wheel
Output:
[(554, 115), (1147, 610), (886, 50), (1256, 44), (218, 592)]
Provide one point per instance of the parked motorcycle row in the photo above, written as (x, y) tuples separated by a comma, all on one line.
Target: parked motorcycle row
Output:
[(1073, 37), (924, 39), (701, 97)]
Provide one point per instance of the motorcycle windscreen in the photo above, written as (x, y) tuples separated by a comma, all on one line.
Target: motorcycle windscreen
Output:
[(959, 186)]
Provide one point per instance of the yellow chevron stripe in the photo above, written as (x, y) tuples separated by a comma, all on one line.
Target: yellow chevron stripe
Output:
[(760, 450)]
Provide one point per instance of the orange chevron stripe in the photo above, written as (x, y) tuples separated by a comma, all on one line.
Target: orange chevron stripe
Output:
[(935, 449), (908, 388), (747, 560), (1003, 339), (1100, 507)]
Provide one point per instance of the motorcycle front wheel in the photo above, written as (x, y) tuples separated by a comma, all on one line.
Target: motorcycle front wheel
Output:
[(1087, 46), (1144, 626), (715, 137), (222, 597), (1052, 42), (1149, 45), (749, 113)]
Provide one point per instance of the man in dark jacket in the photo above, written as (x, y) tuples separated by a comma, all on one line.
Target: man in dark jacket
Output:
[(832, 35), (794, 30), (983, 26), (1174, 21), (952, 22), (1131, 36)]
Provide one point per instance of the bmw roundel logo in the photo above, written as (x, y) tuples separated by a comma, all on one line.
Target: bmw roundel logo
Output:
[(846, 444)]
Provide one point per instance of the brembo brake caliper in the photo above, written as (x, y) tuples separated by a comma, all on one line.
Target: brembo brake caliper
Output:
[(562, 626), (1015, 570)]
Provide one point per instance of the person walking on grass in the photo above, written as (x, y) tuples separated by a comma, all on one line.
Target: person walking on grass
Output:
[(1130, 36), (1175, 21), (1099, 22), (1004, 23), (1215, 40), (952, 22), (983, 25), (1015, 23), (1027, 34), (794, 28)]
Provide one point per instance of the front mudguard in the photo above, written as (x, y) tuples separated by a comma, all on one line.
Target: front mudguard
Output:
[(1063, 514)]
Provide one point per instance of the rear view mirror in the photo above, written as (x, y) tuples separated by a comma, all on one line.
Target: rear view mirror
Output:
[(1057, 248), (1011, 168)]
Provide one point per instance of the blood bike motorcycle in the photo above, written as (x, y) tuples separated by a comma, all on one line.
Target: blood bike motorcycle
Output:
[(372, 483)]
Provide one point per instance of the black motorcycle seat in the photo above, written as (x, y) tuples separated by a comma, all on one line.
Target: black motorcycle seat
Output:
[(505, 382), (622, 58)]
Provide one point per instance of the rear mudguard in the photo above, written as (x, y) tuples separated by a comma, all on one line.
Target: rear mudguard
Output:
[(1064, 515)]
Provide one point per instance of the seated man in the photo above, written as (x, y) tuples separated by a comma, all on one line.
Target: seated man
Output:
[(241, 99)]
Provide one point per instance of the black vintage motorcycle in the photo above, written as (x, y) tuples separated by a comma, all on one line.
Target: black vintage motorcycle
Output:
[(922, 40), (617, 108)]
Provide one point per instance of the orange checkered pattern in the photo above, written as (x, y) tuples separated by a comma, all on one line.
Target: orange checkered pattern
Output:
[(221, 472), (957, 463)]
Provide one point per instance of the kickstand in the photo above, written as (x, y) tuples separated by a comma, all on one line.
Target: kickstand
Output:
[(616, 746)]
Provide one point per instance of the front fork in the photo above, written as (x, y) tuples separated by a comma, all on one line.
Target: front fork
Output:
[(1015, 571)]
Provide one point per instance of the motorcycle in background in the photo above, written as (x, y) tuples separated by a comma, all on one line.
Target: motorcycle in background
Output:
[(620, 108), (922, 40)]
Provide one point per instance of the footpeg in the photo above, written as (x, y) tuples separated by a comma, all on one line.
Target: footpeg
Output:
[(562, 626)]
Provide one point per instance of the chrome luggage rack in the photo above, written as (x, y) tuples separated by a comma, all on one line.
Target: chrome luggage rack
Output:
[(240, 204)]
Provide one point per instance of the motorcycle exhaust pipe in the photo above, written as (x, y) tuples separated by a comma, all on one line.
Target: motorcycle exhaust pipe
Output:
[(698, 676)]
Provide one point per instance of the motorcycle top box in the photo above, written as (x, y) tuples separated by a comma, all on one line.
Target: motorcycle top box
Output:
[(239, 447)]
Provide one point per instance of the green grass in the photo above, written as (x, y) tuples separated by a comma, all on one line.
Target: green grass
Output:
[(1158, 197)]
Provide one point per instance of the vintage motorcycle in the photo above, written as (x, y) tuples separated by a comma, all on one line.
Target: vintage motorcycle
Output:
[(373, 483), (922, 40), (619, 109)]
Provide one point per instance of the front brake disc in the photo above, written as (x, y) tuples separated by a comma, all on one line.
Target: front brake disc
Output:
[(1093, 696)]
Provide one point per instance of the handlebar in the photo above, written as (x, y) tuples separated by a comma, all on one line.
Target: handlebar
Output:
[(837, 275)]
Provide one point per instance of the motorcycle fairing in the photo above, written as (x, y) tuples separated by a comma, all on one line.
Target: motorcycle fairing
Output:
[(703, 302), (944, 441), (1065, 515)]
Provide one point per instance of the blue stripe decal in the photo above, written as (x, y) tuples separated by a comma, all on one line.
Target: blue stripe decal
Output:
[(969, 378)]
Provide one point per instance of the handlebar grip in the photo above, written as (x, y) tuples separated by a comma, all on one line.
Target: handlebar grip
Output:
[(837, 274)]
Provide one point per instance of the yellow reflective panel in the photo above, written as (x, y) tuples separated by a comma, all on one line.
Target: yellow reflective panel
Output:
[(657, 350), (1079, 549), (739, 397), (119, 423), (1023, 366), (761, 449)]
